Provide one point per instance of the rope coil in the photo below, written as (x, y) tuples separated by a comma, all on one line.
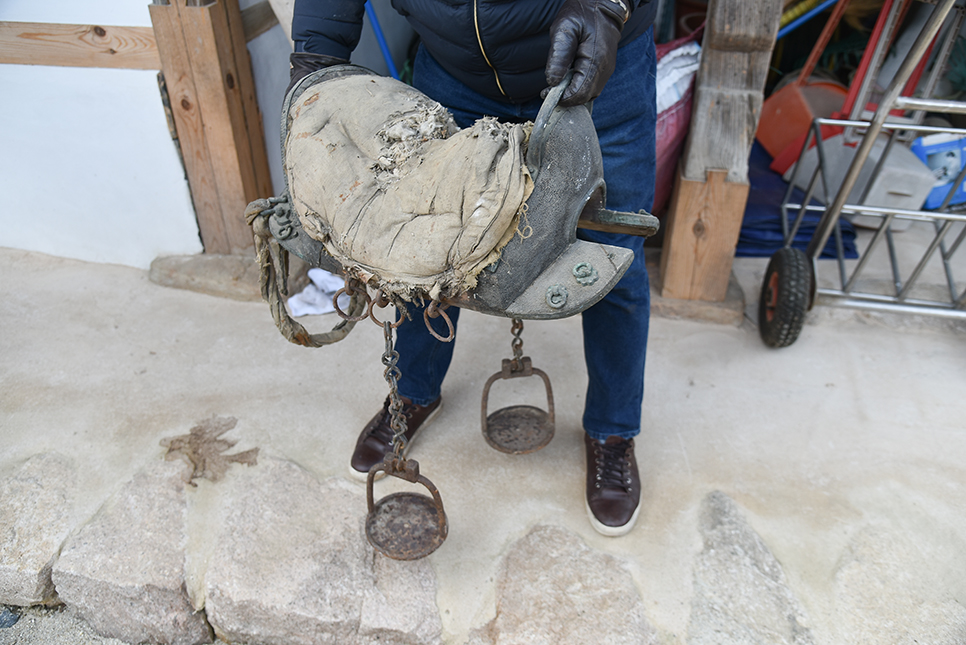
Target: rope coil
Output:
[(273, 280)]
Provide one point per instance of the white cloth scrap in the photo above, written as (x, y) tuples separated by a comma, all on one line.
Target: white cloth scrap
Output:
[(675, 73), (316, 298)]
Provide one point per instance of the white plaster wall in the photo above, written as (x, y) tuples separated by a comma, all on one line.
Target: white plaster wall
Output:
[(88, 166), (269, 53), (128, 13)]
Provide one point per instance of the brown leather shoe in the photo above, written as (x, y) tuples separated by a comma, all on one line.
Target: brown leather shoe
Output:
[(613, 485), (376, 438)]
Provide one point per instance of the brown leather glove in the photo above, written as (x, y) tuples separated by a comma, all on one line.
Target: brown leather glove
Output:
[(304, 63), (584, 36)]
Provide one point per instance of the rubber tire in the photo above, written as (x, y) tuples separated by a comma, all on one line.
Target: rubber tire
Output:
[(784, 297)]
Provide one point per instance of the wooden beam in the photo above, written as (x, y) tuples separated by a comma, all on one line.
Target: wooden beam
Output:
[(703, 230), (255, 133), (36, 43), (257, 19), (186, 111), (711, 189), (728, 96), (743, 26), (61, 45), (216, 113), (200, 46), (218, 81)]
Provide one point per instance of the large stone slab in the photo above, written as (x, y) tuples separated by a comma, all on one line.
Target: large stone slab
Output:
[(555, 589), (35, 510), (124, 572), (741, 595), (292, 566), (225, 276), (890, 589)]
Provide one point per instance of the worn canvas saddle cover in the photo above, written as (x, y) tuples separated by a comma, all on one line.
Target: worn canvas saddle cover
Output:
[(403, 199)]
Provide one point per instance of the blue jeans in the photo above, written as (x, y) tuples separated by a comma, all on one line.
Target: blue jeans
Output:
[(615, 329)]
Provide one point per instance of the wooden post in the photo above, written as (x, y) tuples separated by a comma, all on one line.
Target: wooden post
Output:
[(711, 189), (208, 73)]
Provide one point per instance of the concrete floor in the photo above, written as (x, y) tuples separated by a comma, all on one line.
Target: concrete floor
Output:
[(847, 445)]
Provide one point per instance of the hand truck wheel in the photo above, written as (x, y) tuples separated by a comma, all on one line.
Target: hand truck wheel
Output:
[(784, 299)]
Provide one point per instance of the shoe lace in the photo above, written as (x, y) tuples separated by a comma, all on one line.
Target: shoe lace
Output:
[(383, 430), (612, 465)]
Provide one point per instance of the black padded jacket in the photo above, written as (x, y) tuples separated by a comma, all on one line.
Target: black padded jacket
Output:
[(496, 47)]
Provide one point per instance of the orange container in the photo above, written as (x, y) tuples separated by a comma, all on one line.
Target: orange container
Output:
[(787, 114)]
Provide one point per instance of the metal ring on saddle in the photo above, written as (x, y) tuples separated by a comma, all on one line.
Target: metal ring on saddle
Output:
[(381, 301), (351, 293), (272, 258), (435, 311)]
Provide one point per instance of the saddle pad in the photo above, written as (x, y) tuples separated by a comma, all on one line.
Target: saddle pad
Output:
[(397, 193)]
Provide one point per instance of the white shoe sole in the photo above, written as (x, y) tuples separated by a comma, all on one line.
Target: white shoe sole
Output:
[(358, 475), (612, 531)]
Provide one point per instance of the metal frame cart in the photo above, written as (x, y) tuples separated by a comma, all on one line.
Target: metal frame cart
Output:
[(790, 286)]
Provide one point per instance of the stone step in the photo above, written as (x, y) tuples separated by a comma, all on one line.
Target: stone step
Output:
[(36, 504)]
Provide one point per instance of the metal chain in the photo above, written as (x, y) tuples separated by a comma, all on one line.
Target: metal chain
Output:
[(517, 344), (397, 420)]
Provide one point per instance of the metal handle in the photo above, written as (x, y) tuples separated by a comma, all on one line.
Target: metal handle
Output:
[(538, 135)]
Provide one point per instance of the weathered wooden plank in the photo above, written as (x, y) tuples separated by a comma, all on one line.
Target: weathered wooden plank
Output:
[(724, 137), (728, 89), (731, 70), (702, 231), (214, 77), (262, 186), (257, 19), (711, 189), (187, 112), (743, 26), (209, 47), (724, 117), (35, 43)]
